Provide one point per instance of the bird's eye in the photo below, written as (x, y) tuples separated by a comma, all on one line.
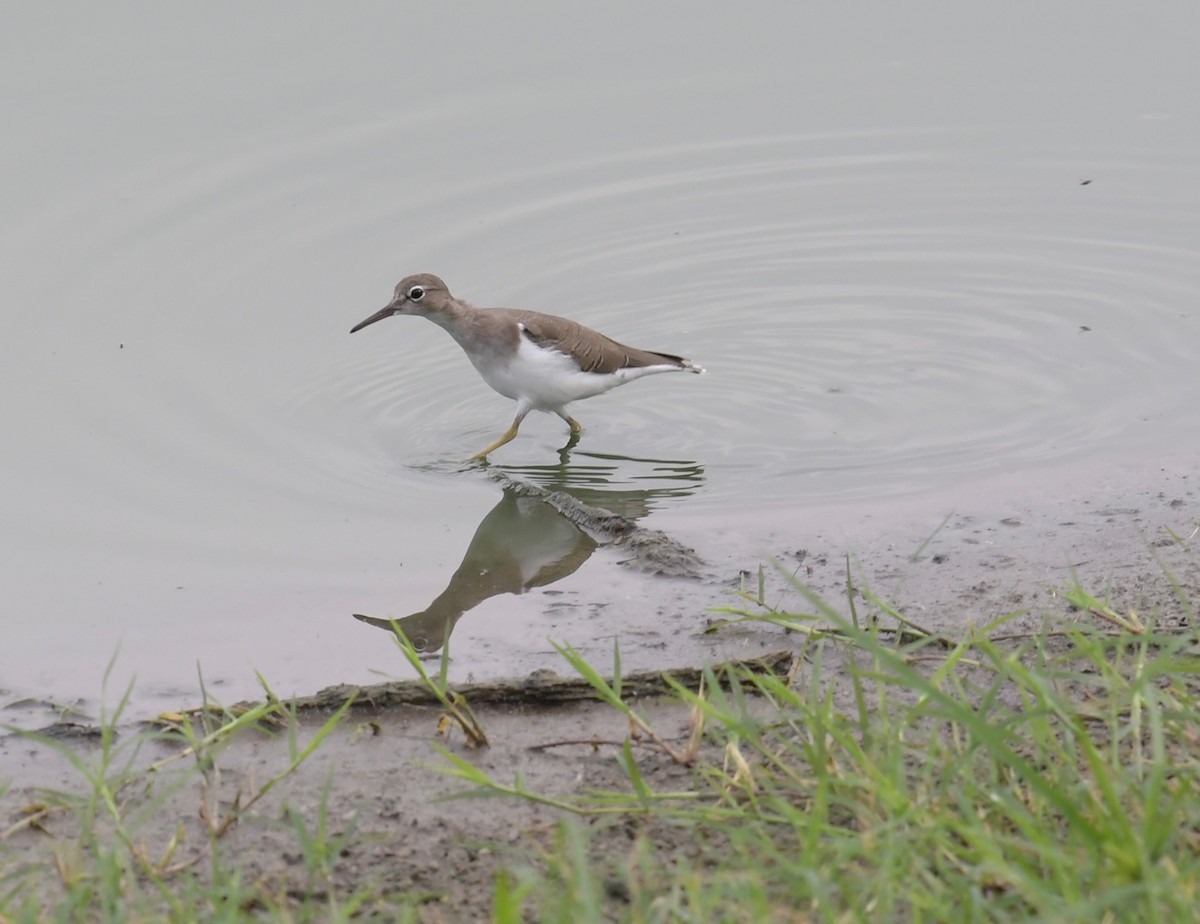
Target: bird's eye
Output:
[(416, 293)]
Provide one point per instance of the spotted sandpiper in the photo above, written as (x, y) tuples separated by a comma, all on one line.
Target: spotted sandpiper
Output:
[(541, 361)]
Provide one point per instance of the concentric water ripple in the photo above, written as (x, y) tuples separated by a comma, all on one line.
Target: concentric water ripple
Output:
[(874, 322)]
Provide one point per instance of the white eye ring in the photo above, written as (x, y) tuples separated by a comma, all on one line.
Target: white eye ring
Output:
[(416, 293)]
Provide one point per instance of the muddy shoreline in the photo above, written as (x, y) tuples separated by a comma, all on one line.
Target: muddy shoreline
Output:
[(972, 566)]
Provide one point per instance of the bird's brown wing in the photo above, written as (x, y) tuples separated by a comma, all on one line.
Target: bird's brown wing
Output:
[(593, 351)]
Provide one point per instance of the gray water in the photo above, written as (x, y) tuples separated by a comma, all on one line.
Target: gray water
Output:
[(915, 246)]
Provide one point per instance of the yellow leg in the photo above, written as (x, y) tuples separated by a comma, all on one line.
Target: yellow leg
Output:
[(575, 425), (508, 436)]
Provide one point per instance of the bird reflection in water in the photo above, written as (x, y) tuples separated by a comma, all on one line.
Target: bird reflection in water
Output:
[(524, 542)]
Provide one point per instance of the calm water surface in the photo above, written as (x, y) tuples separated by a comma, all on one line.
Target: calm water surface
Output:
[(913, 249)]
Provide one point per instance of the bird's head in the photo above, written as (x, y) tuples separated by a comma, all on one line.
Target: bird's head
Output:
[(423, 293)]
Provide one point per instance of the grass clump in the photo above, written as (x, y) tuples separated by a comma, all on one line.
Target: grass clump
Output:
[(108, 858), (901, 775)]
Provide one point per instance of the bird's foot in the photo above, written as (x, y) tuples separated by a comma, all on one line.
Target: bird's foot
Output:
[(508, 437)]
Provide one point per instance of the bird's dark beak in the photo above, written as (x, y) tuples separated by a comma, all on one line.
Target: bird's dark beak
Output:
[(385, 312)]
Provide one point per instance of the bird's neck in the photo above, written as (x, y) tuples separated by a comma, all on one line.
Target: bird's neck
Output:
[(462, 322)]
